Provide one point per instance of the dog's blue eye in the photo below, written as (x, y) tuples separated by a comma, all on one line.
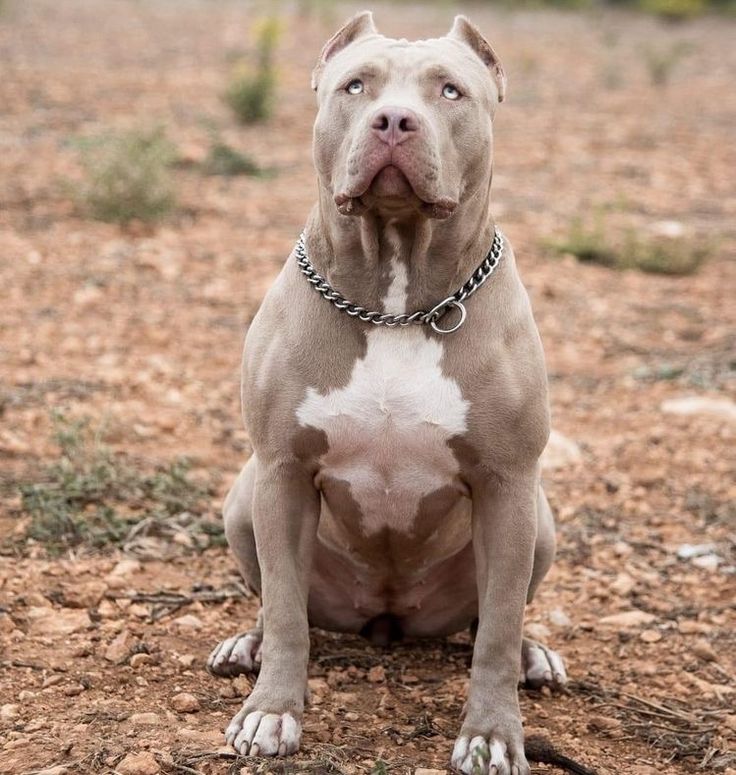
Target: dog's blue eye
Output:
[(355, 87), (450, 92)]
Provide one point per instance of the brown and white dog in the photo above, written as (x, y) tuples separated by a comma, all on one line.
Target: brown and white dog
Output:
[(394, 488)]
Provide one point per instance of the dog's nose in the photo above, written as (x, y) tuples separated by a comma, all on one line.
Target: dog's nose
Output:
[(395, 125)]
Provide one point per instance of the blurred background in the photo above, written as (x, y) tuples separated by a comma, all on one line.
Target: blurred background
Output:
[(155, 171)]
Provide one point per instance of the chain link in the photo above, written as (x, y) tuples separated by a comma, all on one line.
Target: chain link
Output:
[(420, 317)]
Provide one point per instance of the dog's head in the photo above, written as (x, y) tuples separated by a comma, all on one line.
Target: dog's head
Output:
[(405, 126)]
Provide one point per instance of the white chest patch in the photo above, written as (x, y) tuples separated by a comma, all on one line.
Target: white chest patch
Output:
[(388, 428)]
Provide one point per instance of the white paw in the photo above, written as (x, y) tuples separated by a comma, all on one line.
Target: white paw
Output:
[(255, 733), (239, 654), (541, 666), (479, 756)]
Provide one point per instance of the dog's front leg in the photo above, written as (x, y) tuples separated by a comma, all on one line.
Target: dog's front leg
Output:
[(491, 739), (285, 518)]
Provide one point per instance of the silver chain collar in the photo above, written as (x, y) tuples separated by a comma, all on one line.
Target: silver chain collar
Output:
[(420, 317)]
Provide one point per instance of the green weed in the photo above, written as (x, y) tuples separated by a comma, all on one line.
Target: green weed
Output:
[(223, 159), (655, 255), (127, 176), (93, 497), (251, 91)]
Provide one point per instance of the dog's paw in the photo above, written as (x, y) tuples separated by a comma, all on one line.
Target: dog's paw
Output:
[(239, 654), (480, 755), (255, 733), (541, 666)]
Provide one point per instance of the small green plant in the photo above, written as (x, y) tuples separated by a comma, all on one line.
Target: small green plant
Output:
[(127, 176), (92, 497), (674, 10), (379, 768), (223, 159), (251, 91), (655, 255)]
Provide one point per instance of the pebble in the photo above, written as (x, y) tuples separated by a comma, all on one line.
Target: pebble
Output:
[(377, 674), (145, 719), (688, 551), (425, 771), (185, 703), (538, 631), (700, 405), (188, 622), (60, 769), (651, 636), (119, 647), (49, 621), (124, 568), (140, 659), (702, 649), (138, 764), (560, 451), (9, 711), (627, 619), (559, 618)]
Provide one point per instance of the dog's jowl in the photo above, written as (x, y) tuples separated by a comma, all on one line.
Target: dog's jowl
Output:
[(395, 395)]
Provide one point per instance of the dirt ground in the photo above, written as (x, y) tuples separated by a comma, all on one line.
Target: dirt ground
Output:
[(142, 328)]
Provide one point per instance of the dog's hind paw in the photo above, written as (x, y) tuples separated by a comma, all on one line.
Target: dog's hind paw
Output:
[(541, 666), (239, 654)]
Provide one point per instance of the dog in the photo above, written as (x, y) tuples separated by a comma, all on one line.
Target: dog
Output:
[(397, 424)]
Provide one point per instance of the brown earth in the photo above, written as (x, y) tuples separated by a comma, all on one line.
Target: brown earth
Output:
[(142, 329)]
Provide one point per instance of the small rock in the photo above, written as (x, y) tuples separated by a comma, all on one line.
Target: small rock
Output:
[(688, 551), (126, 567), (7, 625), (60, 769), (559, 618), (8, 712), (50, 622), (702, 649), (377, 674), (623, 584), (425, 771), (52, 680), (627, 619), (560, 451), (185, 703), (644, 769), (142, 763), (145, 719), (188, 622), (651, 636), (606, 724), (690, 627), (700, 405), (139, 660), (119, 648), (707, 561), (86, 595), (538, 631)]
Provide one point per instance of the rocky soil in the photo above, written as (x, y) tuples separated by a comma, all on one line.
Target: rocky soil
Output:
[(140, 329)]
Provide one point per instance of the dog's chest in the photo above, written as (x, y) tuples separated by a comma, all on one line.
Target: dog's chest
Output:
[(388, 428)]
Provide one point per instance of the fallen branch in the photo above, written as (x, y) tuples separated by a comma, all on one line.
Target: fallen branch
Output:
[(166, 603)]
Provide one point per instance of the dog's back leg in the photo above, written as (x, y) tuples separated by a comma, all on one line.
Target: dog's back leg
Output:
[(241, 653)]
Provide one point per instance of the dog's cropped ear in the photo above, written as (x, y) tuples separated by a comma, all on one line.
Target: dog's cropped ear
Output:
[(468, 33), (360, 25)]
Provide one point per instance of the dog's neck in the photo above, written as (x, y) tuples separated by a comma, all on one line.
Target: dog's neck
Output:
[(358, 254)]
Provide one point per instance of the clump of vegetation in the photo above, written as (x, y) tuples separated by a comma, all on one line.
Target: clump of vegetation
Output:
[(128, 176), (223, 159), (251, 91), (92, 497), (674, 10), (656, 255)]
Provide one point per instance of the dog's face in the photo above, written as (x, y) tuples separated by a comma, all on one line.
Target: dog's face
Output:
[(405, 127)]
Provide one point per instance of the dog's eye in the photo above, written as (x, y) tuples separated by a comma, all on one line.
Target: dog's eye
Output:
[(450, 92), (355, 87)]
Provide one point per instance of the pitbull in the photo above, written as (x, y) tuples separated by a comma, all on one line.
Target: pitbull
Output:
[(394, 488)]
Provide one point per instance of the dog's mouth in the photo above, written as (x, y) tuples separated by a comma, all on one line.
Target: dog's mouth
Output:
[(391, 188)]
